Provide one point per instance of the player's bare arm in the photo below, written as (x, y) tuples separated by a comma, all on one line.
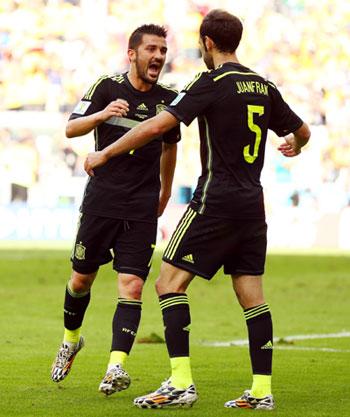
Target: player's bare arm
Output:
[(133, 139), (83, 125), (167, 169), (295, 141)]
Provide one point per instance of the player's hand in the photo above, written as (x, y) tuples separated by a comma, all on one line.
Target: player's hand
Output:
[(163, 201), (118, 108), (289, 148), (94, 160)]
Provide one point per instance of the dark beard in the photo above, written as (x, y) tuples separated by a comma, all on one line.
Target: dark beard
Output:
[(147, 80), (143, 77), (208, 62)]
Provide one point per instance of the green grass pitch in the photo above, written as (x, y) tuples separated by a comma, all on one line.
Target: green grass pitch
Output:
[(308, 295)]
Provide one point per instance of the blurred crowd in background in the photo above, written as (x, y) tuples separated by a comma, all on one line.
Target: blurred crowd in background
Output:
[(51, 51)]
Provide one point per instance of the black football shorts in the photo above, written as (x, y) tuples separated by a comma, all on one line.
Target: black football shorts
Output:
[(202, 244), (99, 240)]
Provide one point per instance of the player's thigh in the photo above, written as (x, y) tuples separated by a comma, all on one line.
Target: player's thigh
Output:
[(94, 239), (198, 244), (134, 247), (247, 253)]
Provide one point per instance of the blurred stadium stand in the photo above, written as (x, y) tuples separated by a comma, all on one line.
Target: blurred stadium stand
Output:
[(51, 51)]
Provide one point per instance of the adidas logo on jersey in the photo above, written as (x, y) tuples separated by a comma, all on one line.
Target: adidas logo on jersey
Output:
[(142, 106), (268, 345), (188, 258)]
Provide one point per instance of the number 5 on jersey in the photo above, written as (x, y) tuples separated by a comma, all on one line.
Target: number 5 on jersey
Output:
[(255, 129)]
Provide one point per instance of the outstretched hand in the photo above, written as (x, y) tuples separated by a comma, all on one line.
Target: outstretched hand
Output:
[(94, 160), (290, 147)]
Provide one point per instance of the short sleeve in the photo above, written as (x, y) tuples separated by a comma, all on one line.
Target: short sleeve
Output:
[(193, 99), (95, 99), (283, 119)]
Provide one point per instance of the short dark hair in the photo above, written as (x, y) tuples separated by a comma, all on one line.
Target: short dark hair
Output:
[(151, 29), (223, 28)]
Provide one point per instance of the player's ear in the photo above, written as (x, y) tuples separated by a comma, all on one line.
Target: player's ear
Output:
[(202, 43), (208, 43), (131, 55)]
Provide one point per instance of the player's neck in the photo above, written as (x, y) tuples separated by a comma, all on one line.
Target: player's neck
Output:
[(137, 82), (222, 58)]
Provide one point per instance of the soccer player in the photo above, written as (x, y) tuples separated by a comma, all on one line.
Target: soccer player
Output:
[(121, 203), (224, 224)]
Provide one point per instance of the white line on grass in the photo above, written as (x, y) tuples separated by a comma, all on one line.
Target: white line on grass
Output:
[(290, 339), (320, 349)]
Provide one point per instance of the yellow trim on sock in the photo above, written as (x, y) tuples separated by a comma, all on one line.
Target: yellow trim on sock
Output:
[(71, 336), (181, 374), (117, 356), (261, 386)]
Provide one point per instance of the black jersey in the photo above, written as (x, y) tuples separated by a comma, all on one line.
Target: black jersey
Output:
[(127, 186), (235, 108)]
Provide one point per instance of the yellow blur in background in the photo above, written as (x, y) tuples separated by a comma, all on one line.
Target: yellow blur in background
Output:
[(52, 51)]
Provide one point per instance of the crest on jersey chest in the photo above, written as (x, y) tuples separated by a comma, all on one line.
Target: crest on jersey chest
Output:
[(160, 107)]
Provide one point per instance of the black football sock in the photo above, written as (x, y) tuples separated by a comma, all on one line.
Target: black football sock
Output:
[(75, 305), (126, 321), (259, 325), (177, 320)]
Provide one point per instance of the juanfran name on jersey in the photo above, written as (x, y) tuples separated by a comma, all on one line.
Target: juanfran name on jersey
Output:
[(81, 107)]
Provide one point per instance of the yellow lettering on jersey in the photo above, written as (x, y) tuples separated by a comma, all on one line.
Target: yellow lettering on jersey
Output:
[(245, 87), (251, 87), (261, 88), (239, 88)]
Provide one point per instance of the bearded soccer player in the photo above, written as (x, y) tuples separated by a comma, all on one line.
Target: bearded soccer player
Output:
[(224, 224), (121, 203)]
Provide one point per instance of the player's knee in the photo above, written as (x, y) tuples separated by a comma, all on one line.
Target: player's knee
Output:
[(247, 300), (159, 286), (165, 285), (135, 291), (249, 290), (131, 288), (79, 285)]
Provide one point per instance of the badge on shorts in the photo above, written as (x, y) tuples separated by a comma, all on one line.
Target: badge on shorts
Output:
[(80, 251)]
